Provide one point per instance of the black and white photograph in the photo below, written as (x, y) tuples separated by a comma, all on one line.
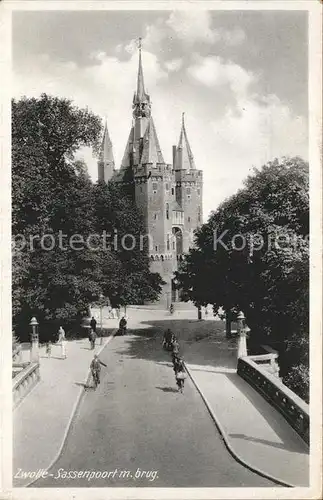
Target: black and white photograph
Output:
[(163, 265)]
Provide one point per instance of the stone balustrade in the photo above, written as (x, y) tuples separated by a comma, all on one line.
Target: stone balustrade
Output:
[(267, 361), (293, 408), (24, 381)]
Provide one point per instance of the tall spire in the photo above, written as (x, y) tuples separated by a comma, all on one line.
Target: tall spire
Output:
[(184, 158), (140, 79), (141, 100)]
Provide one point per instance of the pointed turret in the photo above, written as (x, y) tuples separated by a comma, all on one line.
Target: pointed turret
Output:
[(151, 152), (106, 158), (184, 159)]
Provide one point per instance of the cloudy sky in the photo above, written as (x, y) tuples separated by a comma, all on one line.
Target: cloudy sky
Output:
[(240, 77)]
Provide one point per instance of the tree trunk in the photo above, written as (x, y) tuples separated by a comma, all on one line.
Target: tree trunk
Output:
[(228, 325)]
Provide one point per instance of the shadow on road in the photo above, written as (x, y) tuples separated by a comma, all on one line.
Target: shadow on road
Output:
[(282, 446), (273, 419), (204, 346), (167, 389), (145, 342)]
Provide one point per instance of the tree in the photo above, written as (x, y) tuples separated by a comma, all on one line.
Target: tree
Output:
[(252, 255), (54, 200), (125, 276)]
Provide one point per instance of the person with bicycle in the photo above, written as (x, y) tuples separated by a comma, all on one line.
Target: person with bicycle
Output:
[(180, 373), (96, 369)]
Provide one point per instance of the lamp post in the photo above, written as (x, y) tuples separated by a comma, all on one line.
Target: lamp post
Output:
[(242, 345), (101, 305), (34, 353)]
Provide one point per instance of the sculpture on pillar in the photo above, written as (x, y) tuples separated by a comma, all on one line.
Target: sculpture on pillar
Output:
[(242, 345)]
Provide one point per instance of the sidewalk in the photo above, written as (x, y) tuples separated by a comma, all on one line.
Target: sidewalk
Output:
[(253, 430), (38, 430)]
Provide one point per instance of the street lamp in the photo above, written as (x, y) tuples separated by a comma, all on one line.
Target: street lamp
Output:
[(242, 346), (101, 305), (34, 353)]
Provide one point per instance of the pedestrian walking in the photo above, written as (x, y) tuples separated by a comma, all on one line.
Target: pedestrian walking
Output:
[(95, 368), (93, 339), (93, 324), (123, 325), (62, 341), (49, 349)]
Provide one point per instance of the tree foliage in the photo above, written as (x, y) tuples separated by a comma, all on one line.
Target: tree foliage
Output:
[(253, 255), (52, 194)]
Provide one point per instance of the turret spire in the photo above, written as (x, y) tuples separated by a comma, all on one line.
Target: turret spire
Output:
[(106, 158), (184, 158)]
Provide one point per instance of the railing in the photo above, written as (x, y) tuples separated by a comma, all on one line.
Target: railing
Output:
[(267, 361), (24, 381), (293, 408)]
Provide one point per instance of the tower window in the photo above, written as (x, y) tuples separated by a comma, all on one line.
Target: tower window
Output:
[(173, 191), (155, 186), (155, 216), (167, 186), (188, 219), (199, 214), (189, 197), (198, 191), (188, 191), (167, 243), (167, 211), (156, 248)]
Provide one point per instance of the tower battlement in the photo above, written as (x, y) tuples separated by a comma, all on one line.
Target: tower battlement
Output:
[(151, 169), (188, 176)]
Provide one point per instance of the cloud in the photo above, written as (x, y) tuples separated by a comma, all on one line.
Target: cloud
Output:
[(192, 26), (233, 37), (174, 64), (249, 130), (213, 71), (186, 27), (106, 87)]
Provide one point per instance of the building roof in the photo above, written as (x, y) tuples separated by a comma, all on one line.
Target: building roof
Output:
[(184, 158)]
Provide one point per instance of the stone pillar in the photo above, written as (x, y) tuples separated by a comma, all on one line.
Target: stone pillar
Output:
[(34, 352), (242, 342), (199, 312)]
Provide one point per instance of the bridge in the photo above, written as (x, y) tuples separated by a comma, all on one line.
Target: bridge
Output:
[(235, 425)]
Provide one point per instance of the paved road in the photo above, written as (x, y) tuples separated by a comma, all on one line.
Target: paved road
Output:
[(137, 421)]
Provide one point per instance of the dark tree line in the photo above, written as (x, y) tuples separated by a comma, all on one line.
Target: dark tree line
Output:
[(52, 194), (261, 263)]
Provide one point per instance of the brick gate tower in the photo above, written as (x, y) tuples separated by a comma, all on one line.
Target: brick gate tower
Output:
[(168, 195)]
